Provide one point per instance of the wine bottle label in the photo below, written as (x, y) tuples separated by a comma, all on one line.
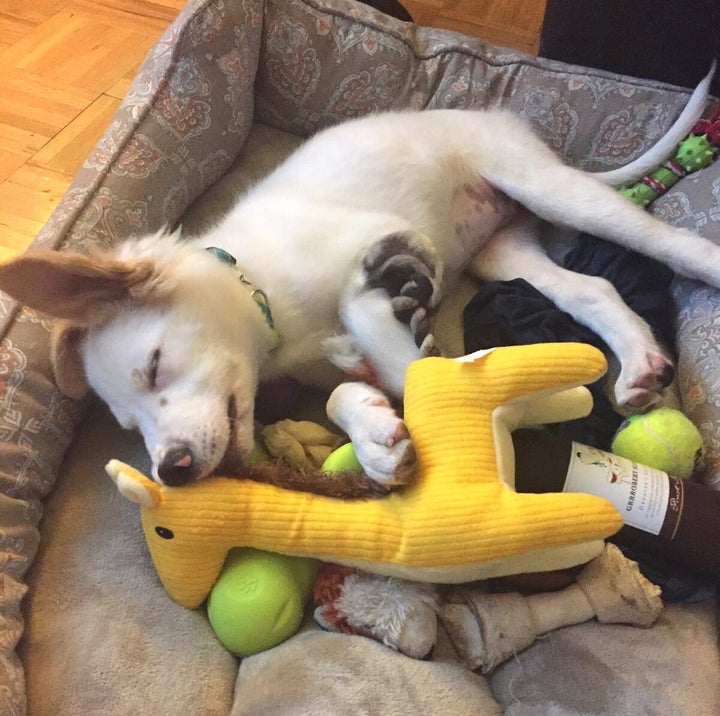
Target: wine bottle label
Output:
[(646, 498)]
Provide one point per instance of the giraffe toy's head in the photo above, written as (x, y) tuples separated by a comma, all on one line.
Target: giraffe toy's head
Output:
[(460, 521)]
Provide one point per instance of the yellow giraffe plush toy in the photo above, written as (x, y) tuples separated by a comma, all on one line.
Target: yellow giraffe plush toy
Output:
[(461, 520)]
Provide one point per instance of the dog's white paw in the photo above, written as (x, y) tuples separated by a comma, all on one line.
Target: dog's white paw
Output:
[(642, 382), (379, 436)]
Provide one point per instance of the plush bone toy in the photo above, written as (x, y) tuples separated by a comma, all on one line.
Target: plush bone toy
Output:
[(460, 521)]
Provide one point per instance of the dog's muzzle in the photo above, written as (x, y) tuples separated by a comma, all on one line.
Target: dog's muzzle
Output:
[(180, 465)]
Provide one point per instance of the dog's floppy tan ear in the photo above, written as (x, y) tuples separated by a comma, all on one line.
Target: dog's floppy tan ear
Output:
[(67, 360), (71, 285)]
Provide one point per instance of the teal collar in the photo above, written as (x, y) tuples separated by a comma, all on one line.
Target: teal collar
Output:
[(258, 295)]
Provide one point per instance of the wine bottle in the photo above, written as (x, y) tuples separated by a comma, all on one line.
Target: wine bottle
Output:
[(676, 521)]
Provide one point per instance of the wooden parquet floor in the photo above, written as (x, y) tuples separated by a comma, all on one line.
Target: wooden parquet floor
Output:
[(65, 66), (511, 23)]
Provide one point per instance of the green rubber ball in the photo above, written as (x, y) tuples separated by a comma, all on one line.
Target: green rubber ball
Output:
[(259, 599), (664, 438)]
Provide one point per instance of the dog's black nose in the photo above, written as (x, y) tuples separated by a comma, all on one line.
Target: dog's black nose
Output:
[(177, 466)]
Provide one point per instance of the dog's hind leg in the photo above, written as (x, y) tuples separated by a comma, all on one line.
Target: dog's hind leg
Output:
[(573, 198), (645, 370)]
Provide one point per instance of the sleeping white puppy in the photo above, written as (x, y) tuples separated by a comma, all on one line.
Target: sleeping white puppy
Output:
[(352, 241)]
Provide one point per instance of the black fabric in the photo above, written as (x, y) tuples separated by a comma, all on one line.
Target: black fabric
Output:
[(669, 40), (506, 313), (514, 313)]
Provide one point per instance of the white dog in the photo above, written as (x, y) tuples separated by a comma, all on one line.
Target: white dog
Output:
[(351, 242)]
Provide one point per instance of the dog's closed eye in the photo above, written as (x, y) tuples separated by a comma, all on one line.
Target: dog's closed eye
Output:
[(147, 379), (152, 372)]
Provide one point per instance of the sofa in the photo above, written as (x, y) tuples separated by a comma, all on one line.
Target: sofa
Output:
[(229, 90)]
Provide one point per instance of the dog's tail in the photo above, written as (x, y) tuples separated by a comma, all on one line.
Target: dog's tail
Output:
[(656, 155)]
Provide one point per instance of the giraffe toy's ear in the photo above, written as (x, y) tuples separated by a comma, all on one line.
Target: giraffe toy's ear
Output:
[(133, 485)]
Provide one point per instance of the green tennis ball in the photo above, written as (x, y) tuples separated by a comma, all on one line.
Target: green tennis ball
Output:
[(664, 439), (341, 459), (259, 599)]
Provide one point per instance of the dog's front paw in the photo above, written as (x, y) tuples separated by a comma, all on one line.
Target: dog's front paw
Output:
[(379, 436)]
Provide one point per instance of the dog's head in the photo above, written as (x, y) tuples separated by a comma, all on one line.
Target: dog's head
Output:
[(166, 335)]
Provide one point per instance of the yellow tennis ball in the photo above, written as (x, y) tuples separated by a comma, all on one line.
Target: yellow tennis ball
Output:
[(664, 438)]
